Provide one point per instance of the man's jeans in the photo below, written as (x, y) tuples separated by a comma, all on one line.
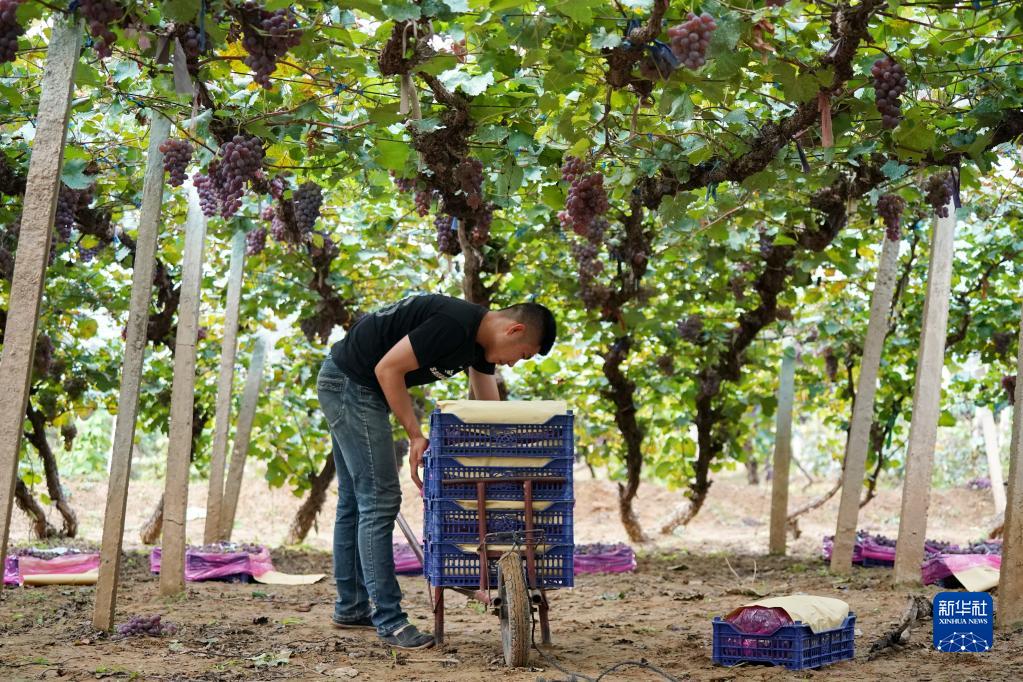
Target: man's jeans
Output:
[(369, 498)]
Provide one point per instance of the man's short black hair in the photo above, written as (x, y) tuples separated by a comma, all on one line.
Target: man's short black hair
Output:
[(538, 319)]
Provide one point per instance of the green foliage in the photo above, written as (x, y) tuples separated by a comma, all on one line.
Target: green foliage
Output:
[(537, 78)]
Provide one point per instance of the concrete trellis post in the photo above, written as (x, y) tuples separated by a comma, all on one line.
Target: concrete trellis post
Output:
[(250, 400), (1009, 610), (782, 449), (994, 459), (923, 432), (38, 209), (214, 501), (863, 409), (172, 565), (131, 375)]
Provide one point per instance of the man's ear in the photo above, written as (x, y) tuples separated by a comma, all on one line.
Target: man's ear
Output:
[(516, 329)]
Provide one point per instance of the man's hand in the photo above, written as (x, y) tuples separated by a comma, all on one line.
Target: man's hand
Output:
[(416, 448)]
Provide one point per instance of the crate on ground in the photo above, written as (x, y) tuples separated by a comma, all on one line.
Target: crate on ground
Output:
[(871, 562), (794, 646), (457, 521), (458, 565)]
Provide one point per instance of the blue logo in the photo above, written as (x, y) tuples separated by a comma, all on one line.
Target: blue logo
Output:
[(963, 622)]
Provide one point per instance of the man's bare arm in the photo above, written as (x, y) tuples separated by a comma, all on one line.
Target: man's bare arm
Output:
[(390, 372), (484, 386)]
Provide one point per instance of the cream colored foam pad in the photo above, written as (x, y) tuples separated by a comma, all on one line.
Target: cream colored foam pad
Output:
[(820, 613), (978, 578), (503, 411), (278, 578), (87, 578), (520, 462), (474, 549), (503, 505)]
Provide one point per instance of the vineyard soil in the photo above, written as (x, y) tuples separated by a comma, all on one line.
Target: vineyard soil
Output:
[(661, 613)]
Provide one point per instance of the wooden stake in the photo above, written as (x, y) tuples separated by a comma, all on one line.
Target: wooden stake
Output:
[(923, 432), (225, 383), (38, 210), (131, 375), (994, 459), (782, 449), (172, 565), (250, 400), (1009, 610), (863, 409)]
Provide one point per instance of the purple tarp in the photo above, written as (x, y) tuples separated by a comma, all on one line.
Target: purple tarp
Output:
[(200, 565), (943, 566)]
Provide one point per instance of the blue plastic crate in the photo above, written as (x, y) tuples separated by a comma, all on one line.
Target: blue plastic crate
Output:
[(869, 562), (451, 565), (460, 450), (794, 646), (449, 435), (441, 468), (457, 521)]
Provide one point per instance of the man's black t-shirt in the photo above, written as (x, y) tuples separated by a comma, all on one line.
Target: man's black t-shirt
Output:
[(442, 331)]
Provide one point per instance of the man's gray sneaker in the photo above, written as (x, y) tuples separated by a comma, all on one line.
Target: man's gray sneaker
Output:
[(408, 637), (364, 622)]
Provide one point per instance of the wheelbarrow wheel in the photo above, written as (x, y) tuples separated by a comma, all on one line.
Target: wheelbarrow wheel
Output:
[(514, 611)]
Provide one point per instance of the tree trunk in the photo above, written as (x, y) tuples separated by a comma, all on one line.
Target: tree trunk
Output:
[(53, 487), (28, 504), (793, 518), (622, 394), (306, 515), (149, 534), (752, 466)]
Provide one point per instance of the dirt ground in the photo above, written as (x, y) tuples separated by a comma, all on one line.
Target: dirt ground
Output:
[(660, 614)]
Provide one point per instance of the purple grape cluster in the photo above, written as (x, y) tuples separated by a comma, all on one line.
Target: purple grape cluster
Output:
[(1002, 341), (267, 36), (10, 30), (593, 294), (939, 190), (480, 232), (447, 235), (587, 198), (890, 208), (87, 255), (404, 185), (64, 218), (100, 16), (146, 626), (691, 38), (277, 186), (307, 201), (177, 154), (889, 83), (241, 158), (423, 200), (690, 329), (572, 168), (221, 188), (255, 241), (207, 190), (469, 174), (830, 363), (6, 264), (666, 364), (1009, 384), (227, 548)]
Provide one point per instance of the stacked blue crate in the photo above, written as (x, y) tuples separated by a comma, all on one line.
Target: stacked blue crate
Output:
[(461, 450)]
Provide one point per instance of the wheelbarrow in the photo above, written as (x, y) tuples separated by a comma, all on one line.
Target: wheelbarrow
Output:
[(518, 592)]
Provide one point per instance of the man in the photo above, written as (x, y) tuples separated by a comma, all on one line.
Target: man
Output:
[(418, 340)]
